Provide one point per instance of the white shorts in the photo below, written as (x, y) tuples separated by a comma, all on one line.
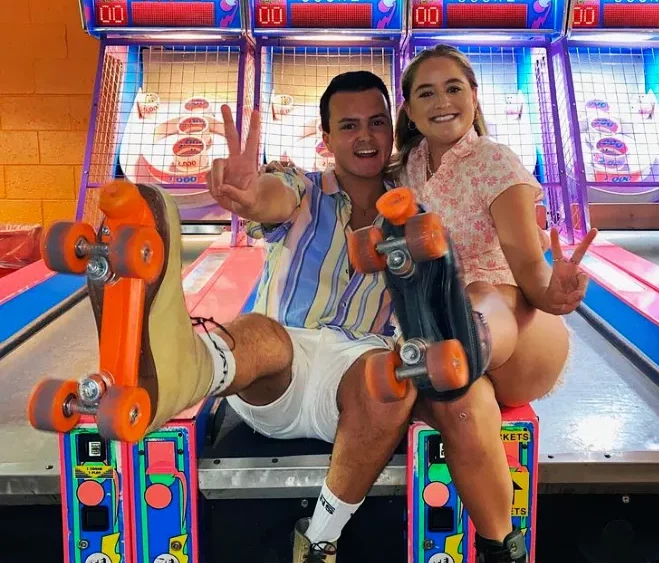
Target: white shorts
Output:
[(308, 408)]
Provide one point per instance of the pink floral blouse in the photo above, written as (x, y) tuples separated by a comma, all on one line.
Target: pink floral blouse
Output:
[(470, 177)]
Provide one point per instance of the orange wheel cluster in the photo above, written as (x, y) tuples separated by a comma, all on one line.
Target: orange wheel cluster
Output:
[(447, 365), (424, 233), (362, 251), (59, 246), (124, 414), (134, 250), (46, 405), (381, 381), (137, 252)]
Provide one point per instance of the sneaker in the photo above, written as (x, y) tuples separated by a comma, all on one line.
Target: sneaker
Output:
[(511, 550), (306, 552)]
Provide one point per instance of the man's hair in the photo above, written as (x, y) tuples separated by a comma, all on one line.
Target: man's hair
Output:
[(354, 81)]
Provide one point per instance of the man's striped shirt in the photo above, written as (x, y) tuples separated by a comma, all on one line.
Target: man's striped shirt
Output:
[(306, 282)]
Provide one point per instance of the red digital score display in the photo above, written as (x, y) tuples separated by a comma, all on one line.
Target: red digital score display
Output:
[(271, 15), (474, 16), (511, 16), (631, 16), (427, 16), (173, 14), (326, 16), (585, 16), (112, 14), (614, 15)]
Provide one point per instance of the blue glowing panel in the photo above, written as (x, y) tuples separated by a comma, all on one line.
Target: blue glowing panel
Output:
[(165, 502)]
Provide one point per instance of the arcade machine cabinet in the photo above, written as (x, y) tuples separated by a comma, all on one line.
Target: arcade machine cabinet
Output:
[(512, 49), (164, 70), (612, 78), (267, 485)]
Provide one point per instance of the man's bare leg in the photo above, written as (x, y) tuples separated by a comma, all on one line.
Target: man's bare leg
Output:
[(367, 435), (262, 355)]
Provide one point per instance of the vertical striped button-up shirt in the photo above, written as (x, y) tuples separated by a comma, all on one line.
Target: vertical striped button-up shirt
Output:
[(306, 281)]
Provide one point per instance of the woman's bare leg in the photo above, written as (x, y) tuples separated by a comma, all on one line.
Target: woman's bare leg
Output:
[(528, 351)]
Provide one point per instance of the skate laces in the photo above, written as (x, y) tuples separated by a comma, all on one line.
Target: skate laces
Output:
[(318, 552), (201, 321)]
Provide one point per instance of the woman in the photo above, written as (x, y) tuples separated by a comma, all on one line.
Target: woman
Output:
[(486, 200)]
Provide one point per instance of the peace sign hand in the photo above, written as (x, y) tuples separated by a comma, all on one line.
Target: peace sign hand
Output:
[(567, 286), (233, 181)]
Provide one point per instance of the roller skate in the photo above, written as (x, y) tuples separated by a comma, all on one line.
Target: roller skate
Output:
[(152, 365), (445, 348), (511, 550)]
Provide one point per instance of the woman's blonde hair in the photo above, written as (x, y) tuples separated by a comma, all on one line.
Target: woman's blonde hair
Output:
[(407, 138)]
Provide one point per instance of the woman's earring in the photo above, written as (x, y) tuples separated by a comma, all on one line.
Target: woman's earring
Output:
[(411, 126)]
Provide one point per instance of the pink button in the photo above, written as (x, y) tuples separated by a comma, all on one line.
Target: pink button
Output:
[(436, 495)]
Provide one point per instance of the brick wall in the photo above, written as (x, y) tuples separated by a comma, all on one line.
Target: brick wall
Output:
[(47, 68)]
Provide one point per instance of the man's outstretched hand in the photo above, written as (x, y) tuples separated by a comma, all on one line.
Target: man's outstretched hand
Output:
[(233, 181)]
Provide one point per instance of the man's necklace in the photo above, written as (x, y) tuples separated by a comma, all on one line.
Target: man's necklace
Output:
[(359, 208), (363, 211)]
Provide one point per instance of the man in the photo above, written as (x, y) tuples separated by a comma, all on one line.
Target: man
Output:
[(294, 367)]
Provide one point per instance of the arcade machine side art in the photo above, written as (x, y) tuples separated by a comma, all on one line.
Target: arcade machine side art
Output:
[(296, 60), (510, 48), (164, 71), (613, 82), (605, 83), (439, 530)]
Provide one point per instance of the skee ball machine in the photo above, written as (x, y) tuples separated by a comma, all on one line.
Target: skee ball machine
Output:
[(613, 84), (511, 46), (164, 70)]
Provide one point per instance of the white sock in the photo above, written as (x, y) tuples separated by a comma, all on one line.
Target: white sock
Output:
[(223, 361), (330, 516)]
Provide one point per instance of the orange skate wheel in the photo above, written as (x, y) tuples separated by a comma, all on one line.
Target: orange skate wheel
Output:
[(447, 365), (137, 252), (119, 199), (58, 247), (124, 414), (397, 205), (425, 237), (46, 405), (381, 381), (362, 253)]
